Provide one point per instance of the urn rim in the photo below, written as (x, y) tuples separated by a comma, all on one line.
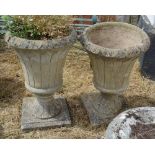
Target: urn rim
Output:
[(128, 52), (22, 43), (120, 127)]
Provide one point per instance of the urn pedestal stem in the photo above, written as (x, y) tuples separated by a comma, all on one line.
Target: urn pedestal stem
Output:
[(46, 107), (101, 107)]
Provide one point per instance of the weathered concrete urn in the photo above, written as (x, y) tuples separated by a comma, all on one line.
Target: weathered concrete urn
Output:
[(113, 48), (136, 123), (42, 63)]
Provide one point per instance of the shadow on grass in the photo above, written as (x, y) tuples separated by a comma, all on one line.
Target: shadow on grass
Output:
[(139, 101), (80, 117), (10, 90), (1, 132), (77, 111)]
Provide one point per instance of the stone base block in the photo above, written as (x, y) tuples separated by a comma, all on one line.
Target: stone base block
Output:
[(29, 121), (101, 109)]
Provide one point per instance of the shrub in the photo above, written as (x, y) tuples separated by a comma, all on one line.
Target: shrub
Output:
[(37, 27)]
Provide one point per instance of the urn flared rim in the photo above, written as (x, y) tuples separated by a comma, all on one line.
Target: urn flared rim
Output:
[(22, 43), (123, 52), (120, 127)]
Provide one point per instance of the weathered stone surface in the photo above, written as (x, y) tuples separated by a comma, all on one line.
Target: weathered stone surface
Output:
[(115, 40), (30, 121), (113, 48), (111, 75), (21, 43), (42, 63), (101, 108), (120, 127)]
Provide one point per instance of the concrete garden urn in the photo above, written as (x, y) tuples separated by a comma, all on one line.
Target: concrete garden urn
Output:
[(113, 48), (136, 123), (42, 63)]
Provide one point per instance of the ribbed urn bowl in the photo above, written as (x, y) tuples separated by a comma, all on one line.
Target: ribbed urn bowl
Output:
[(113, 48), (42, 63)]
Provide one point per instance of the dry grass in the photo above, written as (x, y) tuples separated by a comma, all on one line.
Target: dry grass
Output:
[(77, 80)]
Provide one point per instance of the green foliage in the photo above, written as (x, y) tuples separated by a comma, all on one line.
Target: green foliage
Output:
[(38, 27), (2, 27)]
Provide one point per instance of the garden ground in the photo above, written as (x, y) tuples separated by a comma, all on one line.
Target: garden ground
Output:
[(77, 80)]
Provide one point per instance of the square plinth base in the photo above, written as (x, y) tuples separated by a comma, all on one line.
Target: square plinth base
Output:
[(28, 121), (89, 101)]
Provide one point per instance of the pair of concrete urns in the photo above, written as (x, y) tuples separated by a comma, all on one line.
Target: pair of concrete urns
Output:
[(113, 48)]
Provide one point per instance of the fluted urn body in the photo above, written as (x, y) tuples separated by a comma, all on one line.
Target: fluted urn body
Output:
[(42, 63), (113, 48)]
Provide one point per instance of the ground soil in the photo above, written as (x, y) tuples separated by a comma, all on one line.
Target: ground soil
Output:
[(77, 80)]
